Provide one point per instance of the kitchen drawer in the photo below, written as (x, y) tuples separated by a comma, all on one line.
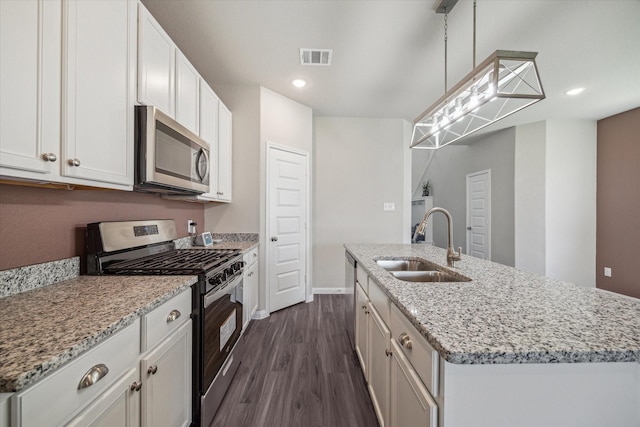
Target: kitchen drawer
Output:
[(56, 398), (251, 257), (362, 278), (421, 355), (379, 301), (159, 323)]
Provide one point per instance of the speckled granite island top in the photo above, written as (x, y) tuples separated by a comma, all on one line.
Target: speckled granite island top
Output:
[(42, 329), (505, 315)]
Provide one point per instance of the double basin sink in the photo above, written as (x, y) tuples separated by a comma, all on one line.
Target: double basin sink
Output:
[(418, 270)]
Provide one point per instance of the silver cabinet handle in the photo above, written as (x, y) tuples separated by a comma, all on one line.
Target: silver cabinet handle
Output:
[(405, 340), (152, 369), (173, 315), (74, 162), (49, 157), (220, 193), (274, 238), (93, 375), (135, 386), (255, 255)]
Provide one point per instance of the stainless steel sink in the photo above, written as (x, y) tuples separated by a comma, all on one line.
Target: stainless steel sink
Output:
[(406, 265), (427, 276), (418, 270)]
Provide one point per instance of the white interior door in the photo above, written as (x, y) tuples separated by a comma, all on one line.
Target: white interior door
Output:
[(286, 219), (479, 214)]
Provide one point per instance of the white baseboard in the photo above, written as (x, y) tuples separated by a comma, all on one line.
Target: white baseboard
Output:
[(260, 314), (318, 291)]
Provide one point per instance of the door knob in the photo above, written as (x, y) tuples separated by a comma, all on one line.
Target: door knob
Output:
[(274, 238)]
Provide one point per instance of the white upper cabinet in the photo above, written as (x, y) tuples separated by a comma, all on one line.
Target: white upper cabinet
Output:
[(30, 55), (68, 87), (156, 64), (187, 93), (99, 90), (224, 153)]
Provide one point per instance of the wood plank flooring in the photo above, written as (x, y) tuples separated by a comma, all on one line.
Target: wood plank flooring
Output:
[(298, 369)]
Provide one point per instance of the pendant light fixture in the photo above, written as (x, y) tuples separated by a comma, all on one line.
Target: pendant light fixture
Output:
[(505, 82)]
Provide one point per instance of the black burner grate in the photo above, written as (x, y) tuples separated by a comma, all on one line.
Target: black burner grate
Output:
[(177, 261)]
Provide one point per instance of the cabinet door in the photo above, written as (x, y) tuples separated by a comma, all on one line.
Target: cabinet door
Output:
[(166, 388), (30, 50), (250, 294), (209, 132), (411, 404), (118, 406), (362, 320), (98, 90), (156, 64), (378, 339), (224, 154), (187, 93)]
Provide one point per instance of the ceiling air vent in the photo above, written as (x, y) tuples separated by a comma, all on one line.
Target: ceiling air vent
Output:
[(315, 56)]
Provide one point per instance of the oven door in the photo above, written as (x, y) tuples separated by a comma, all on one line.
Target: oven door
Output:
[(222, 326)]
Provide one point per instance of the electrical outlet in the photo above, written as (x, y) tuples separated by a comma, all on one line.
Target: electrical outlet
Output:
[(189, 226), (607, 272)]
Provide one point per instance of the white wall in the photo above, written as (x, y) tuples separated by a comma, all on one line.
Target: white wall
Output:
[(359, 164), (529, 199), (570, 201), (447, 172)]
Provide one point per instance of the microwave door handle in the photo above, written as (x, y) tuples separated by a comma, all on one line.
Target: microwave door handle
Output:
[(206, 156)]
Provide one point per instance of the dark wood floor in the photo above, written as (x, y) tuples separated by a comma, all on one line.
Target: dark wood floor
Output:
[(298, 369)]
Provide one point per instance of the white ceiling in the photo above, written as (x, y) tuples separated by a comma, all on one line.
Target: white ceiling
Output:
[(388, 56)]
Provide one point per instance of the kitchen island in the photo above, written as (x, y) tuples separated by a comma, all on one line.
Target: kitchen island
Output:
[(512, 347)]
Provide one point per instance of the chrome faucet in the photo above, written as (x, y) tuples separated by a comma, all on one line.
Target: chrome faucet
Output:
[(451, 254)]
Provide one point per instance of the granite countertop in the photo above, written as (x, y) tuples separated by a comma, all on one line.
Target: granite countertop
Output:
[(505, 315), (46, 327)]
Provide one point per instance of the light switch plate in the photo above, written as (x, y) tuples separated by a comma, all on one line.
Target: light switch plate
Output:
[(607, 272), (389, 206)]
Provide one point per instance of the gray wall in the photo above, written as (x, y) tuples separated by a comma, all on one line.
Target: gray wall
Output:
[(447, 173), (359, 164)]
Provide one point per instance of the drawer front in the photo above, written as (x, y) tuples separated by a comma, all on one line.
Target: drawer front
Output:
[(379, 301), (250, 257), (362, 278), (165, 319), (56, 398), (417, 350)]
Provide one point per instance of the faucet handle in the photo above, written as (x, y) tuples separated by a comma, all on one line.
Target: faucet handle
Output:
[(459, 254)]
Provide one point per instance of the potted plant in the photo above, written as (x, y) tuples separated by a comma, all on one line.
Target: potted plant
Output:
[(426, 188)]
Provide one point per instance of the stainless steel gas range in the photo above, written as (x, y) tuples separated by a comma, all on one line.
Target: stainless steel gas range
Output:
[(147, 248)]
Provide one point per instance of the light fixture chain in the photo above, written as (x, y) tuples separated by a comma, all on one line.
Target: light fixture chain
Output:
[(445, 48), (474, 34)]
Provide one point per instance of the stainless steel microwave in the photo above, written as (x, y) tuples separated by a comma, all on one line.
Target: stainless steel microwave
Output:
[(169, 158)]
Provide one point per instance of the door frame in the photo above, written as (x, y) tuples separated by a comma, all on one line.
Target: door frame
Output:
[(270, 146), (468, 219)]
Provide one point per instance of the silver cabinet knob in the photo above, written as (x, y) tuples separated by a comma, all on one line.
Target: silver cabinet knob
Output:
[(274, 238), (387, 352), (49, 157), (74, 162), (468, 228), (173, 315), (135, 386), (405, 340), (93, 375), (152, 369)]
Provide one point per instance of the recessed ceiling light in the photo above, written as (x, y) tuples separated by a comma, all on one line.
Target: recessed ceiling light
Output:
[(299, 83), (574, 91)]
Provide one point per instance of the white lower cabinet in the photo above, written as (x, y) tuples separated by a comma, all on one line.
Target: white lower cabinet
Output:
[(394, 360), (378, 340), (166, 390), (250, 286), (118, 406), (411, 404), (361, 325), (113, 384)]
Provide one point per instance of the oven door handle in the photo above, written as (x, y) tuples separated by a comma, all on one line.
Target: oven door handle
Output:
[(212, 297)]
